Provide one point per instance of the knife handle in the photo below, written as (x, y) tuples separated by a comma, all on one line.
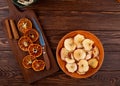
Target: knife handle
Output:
[(46, 58)]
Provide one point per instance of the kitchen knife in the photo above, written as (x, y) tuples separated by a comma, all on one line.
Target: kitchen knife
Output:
[(42, 42)]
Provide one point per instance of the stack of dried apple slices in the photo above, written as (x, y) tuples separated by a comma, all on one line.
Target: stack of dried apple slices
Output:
[(79, 53)]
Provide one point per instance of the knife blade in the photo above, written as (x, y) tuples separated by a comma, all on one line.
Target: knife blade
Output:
[(42, 42)]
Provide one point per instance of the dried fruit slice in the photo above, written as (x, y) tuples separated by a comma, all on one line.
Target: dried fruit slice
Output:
[(79, 54), (93, 62), (89, 55), (87, 44), (32, 34), (83, 67), (24, 24), (27, 61), (95, 51), (70, 58), (78, 40), (38, 65), (24, 43), (35, 50), (64, 53), (71, 67), (69, 44)]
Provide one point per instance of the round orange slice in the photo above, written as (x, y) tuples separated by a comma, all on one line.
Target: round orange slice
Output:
[(38, 65), (24, 43), (24, 24), (35, 50), (27, 61), (32, 34)]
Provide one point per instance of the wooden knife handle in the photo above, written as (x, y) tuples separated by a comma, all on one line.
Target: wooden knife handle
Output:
[(8, 28), (46, 58), (14, 29)]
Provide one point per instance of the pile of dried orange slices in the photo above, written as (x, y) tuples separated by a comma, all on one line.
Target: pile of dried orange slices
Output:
[(80, 54), (27, 43)]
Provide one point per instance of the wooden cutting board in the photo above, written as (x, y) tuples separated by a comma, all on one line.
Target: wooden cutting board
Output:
[(29, 74)]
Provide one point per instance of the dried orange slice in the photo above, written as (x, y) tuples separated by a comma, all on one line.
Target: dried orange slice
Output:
[(24, 24), (38, 65), (27, 61), (24, 43), (32, 34), (35, 50)]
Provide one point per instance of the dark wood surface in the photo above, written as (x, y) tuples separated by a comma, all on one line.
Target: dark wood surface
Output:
[(58, 17)]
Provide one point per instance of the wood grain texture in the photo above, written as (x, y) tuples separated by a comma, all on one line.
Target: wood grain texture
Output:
[(71, 20), (81, 5), (76, 5), (58, 17)]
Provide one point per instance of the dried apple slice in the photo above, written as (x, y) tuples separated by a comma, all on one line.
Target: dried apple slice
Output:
[(93, 63)]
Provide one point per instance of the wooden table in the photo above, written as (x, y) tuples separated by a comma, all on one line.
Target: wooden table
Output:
[(58, 17)]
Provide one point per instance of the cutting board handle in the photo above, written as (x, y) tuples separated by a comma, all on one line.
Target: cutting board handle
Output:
[(12, 8)]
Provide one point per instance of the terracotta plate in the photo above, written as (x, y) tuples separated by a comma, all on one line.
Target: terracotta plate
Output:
[(87, 35)]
